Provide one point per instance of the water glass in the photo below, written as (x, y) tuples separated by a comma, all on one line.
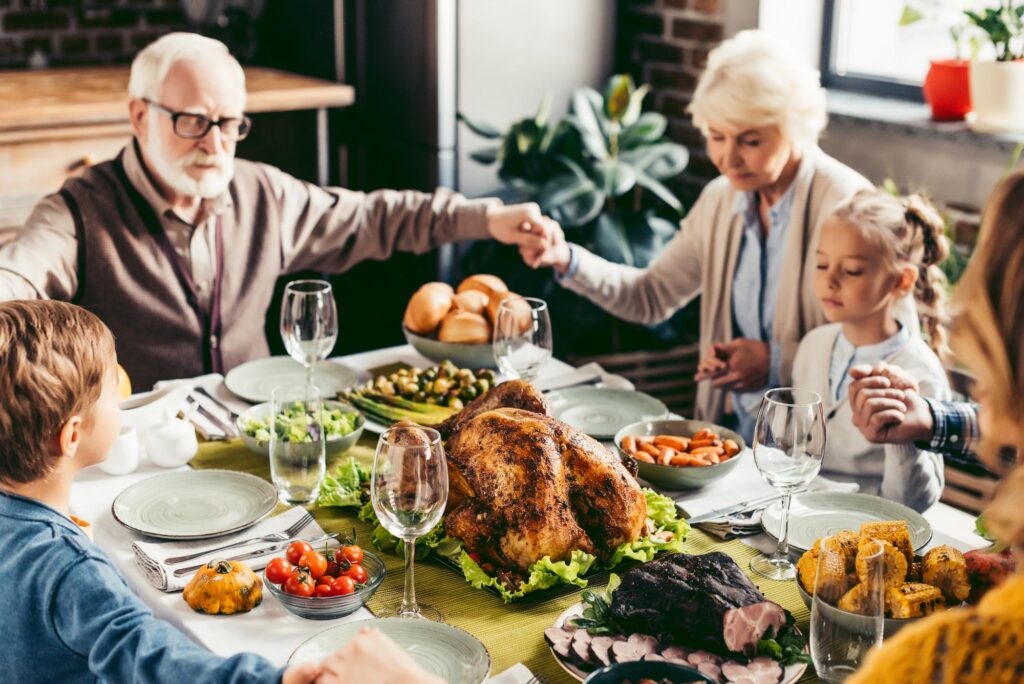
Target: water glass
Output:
[(522, 337), (309, 322), (409, 490), (840, 640), (298, 456), (789, 444)]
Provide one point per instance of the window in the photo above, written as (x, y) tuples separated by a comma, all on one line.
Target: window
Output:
[(866, 49)]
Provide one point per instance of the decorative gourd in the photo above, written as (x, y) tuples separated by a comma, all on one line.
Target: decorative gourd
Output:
[(225, 587)]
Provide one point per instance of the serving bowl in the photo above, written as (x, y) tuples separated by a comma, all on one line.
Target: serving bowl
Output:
[(617, 673), (681, 477), (331, 607), (463, 355), (337, 445), (853, 620)]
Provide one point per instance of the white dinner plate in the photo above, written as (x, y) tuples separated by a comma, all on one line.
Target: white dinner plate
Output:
[(255, 381)]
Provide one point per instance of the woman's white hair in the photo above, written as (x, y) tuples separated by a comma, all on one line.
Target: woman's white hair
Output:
[(151, 65), (754, 80)]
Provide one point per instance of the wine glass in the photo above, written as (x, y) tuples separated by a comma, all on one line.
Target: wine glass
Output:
[(789, 443), (409, 490), (840, 639), (298, 458), (309, 322), (522, 337)]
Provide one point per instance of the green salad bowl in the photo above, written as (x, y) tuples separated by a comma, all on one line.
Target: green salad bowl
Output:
[(335, 444)]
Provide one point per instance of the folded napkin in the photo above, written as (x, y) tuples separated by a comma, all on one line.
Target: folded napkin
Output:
[(517, 674), (226, 402), (590, 371), (150, 556), (747, 523)]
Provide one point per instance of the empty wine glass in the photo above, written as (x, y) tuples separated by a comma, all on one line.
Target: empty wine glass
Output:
[(309, 322), (789, 443), (297, 443), (409, 490), (522, 337), (841, 639)]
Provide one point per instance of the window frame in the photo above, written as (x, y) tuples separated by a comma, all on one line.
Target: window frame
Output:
[(870, 85)]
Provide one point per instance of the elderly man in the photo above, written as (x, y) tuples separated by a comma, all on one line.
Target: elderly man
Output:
[(177, 245)]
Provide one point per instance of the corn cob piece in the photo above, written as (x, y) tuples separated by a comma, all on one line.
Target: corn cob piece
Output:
[(914, 572), (894, 564), (859, 600), (832, 577), (913, 600), (944, 567), (845, 544), (807, 569), (893, 531)]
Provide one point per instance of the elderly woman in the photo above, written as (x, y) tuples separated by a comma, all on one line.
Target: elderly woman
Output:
[(747, 245), (986, 643)]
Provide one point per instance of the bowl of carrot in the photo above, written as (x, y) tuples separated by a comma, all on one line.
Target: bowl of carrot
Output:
[(680, 453)]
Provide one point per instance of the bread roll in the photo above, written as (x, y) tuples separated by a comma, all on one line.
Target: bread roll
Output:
[(428, 307), (524, 319), (465, 328), (473, 301), (488, 284)]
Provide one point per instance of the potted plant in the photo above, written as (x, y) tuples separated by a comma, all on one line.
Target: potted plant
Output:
[(946, 87), (997, 87), (600, 173)]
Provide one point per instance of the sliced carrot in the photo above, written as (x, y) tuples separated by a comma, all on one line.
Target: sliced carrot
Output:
[(717, 451), (643, 439), (667, 453), (629, 444), (731, 447), (699, 443), (643, 456), (703, 433), (650, 449), (688, 460), (713, 459), (673, 442)]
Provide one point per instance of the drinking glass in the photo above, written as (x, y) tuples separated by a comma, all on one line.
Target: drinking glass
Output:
[(298, 457), (409, 490), (309, 322), (522, 337), (789, 443), (839, 639)]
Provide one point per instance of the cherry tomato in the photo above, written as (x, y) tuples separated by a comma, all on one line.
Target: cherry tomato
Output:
[(295, 551), (488, 568), (474, 556), (333, 570), (300, 584), (357, 573), (342, 586), (315, 562), (352, 553), (279, 570), (324, 590), (325, 579)]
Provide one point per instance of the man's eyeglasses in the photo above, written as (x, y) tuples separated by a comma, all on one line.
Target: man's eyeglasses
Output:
[(195, 126)]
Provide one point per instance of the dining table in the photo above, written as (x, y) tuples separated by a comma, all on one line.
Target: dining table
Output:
[(512, 632)]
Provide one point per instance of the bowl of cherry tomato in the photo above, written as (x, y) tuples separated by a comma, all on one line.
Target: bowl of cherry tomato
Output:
[(325, 584)]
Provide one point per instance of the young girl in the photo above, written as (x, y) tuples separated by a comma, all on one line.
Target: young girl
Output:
[(874, 249)]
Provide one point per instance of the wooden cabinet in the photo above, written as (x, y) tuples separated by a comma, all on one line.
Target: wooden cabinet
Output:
[(54, 123)]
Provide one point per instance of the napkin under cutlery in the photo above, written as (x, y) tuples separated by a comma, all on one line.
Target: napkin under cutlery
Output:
[(150, 556), (209, 410), (517, 674), (587, 374)]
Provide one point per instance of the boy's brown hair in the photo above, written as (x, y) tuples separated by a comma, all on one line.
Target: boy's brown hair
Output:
[(53, 357)]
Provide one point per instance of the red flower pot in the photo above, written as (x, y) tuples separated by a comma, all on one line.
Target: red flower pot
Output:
[(947, 88)]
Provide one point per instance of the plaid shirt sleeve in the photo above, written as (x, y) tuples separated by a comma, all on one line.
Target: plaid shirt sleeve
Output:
[(956, 432)]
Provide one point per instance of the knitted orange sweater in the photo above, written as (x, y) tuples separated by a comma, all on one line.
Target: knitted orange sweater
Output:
[(982, 645)]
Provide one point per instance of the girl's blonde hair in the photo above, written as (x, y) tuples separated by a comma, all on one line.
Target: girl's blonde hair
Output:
[(752, 80), (907, 230), (988, 336)]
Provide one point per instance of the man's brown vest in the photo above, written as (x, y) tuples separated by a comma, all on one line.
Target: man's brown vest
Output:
[(130, 276)]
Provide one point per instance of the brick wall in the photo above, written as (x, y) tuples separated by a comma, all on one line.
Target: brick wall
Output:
[(665, 43), (82, 31)]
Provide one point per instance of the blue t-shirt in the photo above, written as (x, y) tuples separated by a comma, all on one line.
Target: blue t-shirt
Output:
[(74, 619)]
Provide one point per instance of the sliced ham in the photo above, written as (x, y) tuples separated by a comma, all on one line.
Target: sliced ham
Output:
[(676, 654), (743, 626), (560, 639), (579, 648), (600, 649), (636, 647), (710, 670), (760, 670)]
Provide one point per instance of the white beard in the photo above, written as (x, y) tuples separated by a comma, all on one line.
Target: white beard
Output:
[(211, 183)]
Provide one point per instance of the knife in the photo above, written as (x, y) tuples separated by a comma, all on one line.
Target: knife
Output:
[(256, 554), (202, 390), (737, 508), (217, 422)]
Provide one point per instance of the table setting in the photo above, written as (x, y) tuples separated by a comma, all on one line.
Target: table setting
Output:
[(280, 451)]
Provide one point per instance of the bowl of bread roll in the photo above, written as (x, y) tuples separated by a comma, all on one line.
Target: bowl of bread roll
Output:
[(443, 323)]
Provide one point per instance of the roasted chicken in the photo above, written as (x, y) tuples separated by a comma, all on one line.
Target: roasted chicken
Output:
[(523, 485), (511, 394)]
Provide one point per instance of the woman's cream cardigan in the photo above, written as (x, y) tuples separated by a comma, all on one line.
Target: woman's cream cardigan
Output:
[(701, 260)]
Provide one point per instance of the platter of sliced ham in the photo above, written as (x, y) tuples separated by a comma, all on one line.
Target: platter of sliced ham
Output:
[(580, 652)]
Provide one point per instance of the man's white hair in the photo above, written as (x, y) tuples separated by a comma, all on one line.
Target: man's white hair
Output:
[(151, 65), (754, 80)]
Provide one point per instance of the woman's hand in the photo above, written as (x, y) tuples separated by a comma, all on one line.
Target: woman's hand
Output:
[(373, 657), (554, 252), (740, 365)]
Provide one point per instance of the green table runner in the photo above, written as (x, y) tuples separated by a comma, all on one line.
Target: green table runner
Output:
[(513, 632)]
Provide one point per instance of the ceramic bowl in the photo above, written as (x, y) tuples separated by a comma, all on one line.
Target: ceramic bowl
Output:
[(331, 607), (853, 620), (681, 477), (337, 445), (472, 356)]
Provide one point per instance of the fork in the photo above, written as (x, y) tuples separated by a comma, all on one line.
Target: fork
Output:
[(202, 390), (273, 537), (535, 679)]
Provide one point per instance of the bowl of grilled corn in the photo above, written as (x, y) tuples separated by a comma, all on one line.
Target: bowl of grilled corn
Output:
[(914, 586)]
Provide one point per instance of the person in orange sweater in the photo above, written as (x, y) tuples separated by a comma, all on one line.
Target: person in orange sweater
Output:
[(985, 643)]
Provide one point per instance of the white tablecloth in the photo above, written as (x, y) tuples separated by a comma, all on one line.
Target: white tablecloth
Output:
[(274, 633)]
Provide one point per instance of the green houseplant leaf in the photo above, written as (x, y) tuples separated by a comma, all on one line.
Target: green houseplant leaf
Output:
[(615, 176), (482, 129), (647, 129)]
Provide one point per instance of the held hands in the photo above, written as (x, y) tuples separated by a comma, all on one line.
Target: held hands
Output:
[(522, 225), (740, 365), (887, 407), (372, 657)]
